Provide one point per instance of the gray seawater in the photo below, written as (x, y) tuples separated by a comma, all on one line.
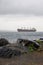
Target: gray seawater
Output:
[(13, 36)]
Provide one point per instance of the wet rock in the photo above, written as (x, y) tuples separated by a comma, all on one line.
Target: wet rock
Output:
[(35, 44), (41, 39), (26, 43), (3, 42), (6, 52), (22, 40)]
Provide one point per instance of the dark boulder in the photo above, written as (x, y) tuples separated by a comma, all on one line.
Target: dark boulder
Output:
[(19, 40), (33, 43), (27, 43), (22, 40), (41, 38), (3, 42), (6, 52)]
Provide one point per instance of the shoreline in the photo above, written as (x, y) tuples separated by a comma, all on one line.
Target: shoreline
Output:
[(26, 58)]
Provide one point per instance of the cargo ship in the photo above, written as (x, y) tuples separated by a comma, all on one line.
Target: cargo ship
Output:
[(27, 30)]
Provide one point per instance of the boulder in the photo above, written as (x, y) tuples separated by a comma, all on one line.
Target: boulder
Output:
[(22, 40), (26, 43), (35, 44), (41, 39), (6, 52), (3, 42)]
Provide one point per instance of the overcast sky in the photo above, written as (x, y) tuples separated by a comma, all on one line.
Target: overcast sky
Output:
[(26, 7), (21, 13)]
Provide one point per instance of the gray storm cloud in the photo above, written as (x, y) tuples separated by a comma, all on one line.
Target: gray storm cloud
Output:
[(25, 7)]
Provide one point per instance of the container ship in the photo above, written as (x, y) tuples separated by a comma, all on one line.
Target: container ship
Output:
[(27, 30)]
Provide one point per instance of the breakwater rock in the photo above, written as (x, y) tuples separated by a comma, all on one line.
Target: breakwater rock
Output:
[(26, 43), (3, 42), (6, 52)]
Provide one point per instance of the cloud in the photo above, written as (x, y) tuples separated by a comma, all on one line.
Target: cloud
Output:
[(25, 7)]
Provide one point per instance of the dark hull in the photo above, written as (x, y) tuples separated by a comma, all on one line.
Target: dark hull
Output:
[(21, 30)]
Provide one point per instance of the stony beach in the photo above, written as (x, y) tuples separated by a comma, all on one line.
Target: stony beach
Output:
[(26, 58), (34, 58)]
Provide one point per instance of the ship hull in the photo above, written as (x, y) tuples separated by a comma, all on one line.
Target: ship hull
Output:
[(20, 30)]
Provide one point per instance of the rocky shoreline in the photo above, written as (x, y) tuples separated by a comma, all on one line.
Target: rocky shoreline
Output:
[(23, 52), (8, 50)]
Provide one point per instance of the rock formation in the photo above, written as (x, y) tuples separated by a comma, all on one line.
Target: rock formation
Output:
[(26, 43), (3, 42), (6, 52)]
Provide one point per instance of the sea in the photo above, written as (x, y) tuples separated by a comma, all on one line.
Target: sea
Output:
[(13, 36)]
